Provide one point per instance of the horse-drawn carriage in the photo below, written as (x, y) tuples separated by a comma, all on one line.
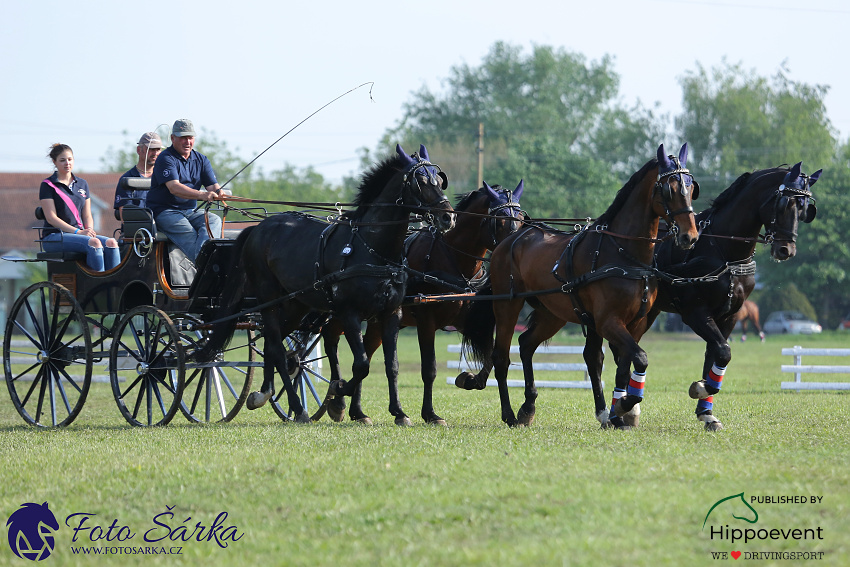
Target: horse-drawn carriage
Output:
[(142, 320), (173, 343)]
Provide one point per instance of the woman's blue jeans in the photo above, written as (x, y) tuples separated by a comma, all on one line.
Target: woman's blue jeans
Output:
[(98, 259)]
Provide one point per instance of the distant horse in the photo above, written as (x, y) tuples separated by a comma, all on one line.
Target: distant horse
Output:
[(718, 274), (749, 311), (440, 264), (295, 264), (601, 278)]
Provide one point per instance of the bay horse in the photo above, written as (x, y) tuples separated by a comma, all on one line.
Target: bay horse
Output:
[(749, 312), (295, 265), (601, 278), (440, 263), (719, 272)]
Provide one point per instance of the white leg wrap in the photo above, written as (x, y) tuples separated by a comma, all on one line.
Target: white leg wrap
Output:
[(707, 418), (603, 416)]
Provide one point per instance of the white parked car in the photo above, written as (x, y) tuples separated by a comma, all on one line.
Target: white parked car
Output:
[(792, 322)]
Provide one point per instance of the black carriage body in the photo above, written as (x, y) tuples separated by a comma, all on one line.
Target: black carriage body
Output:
[(146, 281)]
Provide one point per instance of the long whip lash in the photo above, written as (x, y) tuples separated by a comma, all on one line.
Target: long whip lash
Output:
[(299, 124)]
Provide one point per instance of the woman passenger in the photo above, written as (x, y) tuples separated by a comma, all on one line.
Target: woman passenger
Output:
[(68, 222)]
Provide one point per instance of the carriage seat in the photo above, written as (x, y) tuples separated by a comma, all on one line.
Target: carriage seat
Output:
[(53, 256)]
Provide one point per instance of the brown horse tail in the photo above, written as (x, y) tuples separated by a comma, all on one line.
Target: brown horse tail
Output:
[(478, 329), (231, 298)]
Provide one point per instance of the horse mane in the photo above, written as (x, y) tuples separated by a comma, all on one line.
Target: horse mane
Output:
[(729, 194), (623, 194), (465, 199), (374, 181)]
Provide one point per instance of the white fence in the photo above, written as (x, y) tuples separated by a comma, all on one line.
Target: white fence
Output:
[(463, 364), (798, 368)]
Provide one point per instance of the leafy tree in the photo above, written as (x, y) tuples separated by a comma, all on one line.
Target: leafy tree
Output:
[(737, 121), (549, 117)]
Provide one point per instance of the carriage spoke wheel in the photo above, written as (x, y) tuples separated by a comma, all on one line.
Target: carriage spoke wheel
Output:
[(306, 377), (217, 390), (47, 355), (146, 367)]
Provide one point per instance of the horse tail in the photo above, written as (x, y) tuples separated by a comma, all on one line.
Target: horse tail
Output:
[(478, 328), (231, 297)]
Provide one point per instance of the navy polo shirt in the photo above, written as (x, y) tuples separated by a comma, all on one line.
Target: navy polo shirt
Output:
[(124, 196), (78, 193), (195, 172)]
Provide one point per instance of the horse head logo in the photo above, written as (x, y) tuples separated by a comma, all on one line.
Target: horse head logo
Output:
[(31, 530), (733, 497)]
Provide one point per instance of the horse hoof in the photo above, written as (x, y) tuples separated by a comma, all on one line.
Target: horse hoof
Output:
[(697, 390), (439, 421), (464, 381), (713, 426), (631, 420), (257, 400), (403, 421), (336, 409), (525, 418), (365, 420), (303, 418)]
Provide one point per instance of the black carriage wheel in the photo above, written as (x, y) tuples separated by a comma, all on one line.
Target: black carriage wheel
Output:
[(47, 355), (306, 377), (216, 391), (146, 367)]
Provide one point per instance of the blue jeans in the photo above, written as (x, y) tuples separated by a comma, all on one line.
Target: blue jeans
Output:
[(186, 229), (97, 259)]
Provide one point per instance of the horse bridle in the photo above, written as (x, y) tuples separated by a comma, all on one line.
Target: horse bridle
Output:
[(514, 211), (410, 180), (662, 184), (780, 199)]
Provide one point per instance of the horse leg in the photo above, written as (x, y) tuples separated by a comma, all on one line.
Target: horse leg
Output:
[(744, 329), (275, 358), (371, 342), (632, 363), (594, 358), (425, 332), (334, 405), (390, 340), (359, 367), (507, 313), (543, 327), (718, 354)]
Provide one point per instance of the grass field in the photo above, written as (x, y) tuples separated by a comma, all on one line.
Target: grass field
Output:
[(561, 492)]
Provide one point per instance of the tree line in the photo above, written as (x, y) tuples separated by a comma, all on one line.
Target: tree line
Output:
[(556, 120)]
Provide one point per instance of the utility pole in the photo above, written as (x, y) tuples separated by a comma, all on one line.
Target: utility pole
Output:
[(480, 155)]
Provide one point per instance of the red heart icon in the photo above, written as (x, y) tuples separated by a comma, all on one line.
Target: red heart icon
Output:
[(736, 554)]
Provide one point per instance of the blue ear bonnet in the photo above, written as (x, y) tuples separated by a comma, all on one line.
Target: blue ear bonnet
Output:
[(427, 170)]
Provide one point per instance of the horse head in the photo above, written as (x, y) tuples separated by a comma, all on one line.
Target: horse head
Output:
[(504, 215), (423, 188), (791, 203), (677, 188)]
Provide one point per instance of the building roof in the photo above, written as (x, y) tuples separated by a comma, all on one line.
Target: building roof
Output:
[(19, 198)]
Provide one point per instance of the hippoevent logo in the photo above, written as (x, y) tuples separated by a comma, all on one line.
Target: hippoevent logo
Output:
[(733, 520), (31, 530)]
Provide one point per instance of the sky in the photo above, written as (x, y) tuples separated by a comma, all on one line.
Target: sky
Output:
[(97, 74)]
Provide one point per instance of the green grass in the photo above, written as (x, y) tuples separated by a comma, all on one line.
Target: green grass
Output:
[(561, 492)]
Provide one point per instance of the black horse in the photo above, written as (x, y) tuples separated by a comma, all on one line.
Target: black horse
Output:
[(712, 280), (295, 265), (440, 264)]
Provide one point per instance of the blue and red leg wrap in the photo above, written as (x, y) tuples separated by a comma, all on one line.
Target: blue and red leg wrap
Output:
[(715, 376), (636, 383)]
